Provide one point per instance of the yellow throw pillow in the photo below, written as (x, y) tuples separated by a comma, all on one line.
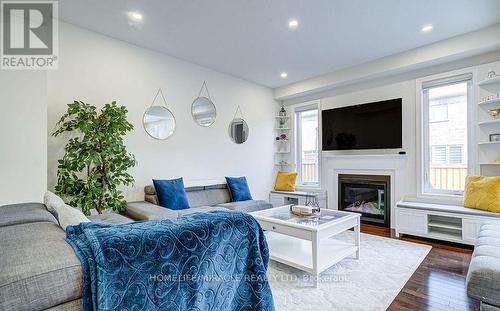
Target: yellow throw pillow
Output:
[(285, 181), (482, 192)]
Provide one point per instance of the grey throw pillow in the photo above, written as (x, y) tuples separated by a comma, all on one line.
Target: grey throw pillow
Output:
[(51, 201)]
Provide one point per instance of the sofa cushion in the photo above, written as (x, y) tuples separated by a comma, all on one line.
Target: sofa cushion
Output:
[(208, 196), (38, 268), (482, 192), (171, 193), (247, 206), (197, 196), (51, 200), (111, 218), (69, 216), (285, 181), (483, 278), (147, 211), (74, 305), (200, 209), (24, 213), (238, 186)]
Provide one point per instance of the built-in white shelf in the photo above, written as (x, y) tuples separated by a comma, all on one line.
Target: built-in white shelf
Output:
[(489, 102), (489, 81), (282, 151), (489, 142), (445, 225), (489, 163), (489, 122)]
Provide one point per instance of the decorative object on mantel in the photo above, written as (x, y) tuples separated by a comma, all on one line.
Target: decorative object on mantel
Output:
[(494, 113), (96, 161), (203, 109), (491, 74), (238, 128), (159, 121), (495, 137)]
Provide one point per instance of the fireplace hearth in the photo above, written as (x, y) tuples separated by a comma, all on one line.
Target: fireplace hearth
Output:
[(368, 195)]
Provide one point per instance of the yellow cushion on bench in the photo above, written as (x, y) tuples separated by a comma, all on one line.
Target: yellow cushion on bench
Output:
[(482, 192), (285, 181)]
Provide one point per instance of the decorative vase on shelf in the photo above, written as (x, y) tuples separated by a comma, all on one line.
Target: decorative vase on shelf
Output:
[(494, 113), (491, 74), (282, 112)]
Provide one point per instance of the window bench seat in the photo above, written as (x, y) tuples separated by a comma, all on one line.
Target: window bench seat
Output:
[(442, 222)]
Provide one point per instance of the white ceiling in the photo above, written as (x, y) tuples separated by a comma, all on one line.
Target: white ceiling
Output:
[(251, 39)]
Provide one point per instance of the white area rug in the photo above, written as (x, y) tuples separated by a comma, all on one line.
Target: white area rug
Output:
[(370, 283)]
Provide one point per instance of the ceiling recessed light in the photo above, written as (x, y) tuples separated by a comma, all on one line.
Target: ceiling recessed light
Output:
[(427, 28), (284, 75), (135, 16), (293, 23)]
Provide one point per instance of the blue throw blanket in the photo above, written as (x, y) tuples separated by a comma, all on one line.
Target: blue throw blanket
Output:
[(210, 261)]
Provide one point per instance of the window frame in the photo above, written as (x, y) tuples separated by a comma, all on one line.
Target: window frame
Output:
[(297, 144), (423, 146)]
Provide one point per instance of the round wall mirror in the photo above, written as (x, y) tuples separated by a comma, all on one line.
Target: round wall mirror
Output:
[(203, 111), (159, 122), (238, 131)]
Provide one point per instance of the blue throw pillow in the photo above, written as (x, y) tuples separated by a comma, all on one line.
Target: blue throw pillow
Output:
[(171, 193), (238, 187)]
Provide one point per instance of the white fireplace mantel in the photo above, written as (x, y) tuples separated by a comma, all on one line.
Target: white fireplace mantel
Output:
[(393, 165)]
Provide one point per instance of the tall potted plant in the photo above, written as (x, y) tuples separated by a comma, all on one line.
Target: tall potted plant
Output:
[(95, 161)]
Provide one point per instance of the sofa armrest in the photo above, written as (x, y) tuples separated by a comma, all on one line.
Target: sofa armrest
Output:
[(142, 210)]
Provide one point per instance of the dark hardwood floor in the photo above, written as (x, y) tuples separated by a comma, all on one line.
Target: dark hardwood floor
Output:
[(439, 282)]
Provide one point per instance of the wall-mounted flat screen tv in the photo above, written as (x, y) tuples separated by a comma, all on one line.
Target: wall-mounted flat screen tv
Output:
[(376, 125)]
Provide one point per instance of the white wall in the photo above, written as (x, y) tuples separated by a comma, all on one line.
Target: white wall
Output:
[(23, 139), (98, 69)]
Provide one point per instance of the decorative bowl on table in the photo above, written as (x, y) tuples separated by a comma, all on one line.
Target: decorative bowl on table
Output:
[(304, 211)]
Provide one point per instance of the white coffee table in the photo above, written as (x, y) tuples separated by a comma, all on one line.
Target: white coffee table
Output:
[(304, 242)]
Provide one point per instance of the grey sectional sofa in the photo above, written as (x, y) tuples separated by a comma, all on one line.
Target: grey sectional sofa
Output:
[(483, 277), (38, 268), (201, 199)]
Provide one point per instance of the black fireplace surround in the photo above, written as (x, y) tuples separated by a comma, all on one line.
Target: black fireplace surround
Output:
[(368, 195)]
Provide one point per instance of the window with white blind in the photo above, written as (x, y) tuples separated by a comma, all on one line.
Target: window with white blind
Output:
[(445, 133)]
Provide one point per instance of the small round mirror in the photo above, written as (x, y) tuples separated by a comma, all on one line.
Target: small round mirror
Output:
[(238, 131), (159, 122), (203, 111)]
